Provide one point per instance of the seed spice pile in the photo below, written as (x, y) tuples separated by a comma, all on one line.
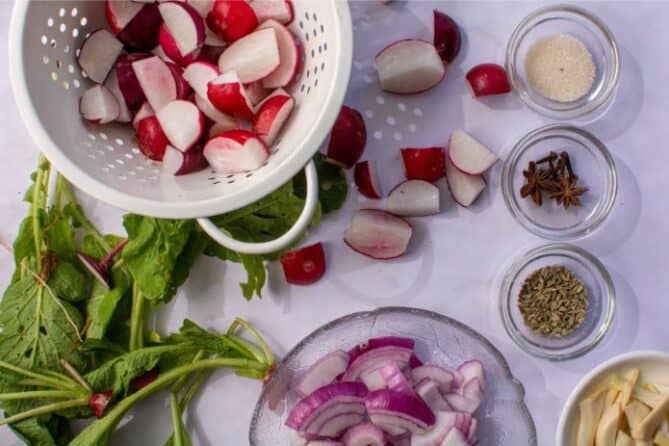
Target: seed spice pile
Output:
[(553, 301), (553, 175)]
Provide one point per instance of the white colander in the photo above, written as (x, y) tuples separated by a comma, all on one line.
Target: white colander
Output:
[(104, 161)]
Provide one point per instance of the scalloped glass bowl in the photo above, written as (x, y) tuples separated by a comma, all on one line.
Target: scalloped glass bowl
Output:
[(503, 418)]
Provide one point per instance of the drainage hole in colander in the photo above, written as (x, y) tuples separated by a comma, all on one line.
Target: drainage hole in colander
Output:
[(418, 112), (315, 32), (128, 156), (49, 22), (66, 85), (301, 24), (66, 50), (380, 100), (249, 175), (391, 120), (75, 33), (63, 27), (229, 182), (61, 12), (314, 16), (58, 64), (325, 46), (402, 107), (76, 83), (52, 44), (306, 15), (313, 53), (378, 135), (44, 40), (74, 12), (322, 28), (83, 21), (54, 76), (211, 178), (397, 136), (306, 36), (323, 66), (316, 83), (118, 141), (369, 113), (103, 136), (45, 59), (216, 182), (412, 128)]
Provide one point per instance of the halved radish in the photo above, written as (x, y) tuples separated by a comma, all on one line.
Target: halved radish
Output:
[(143, 112), (366, 180), (231, 19), (256, 92), (182, 123), (347, 138), (176, 162), (212, 113), (228, 95), (378, 234), (428, 163), (414, 198), (203, 7), (465, 189), (199, 74), (289, 56), (112, 85), (156, 80), (447, 38), (468, 155), (171, 50), (141, 33), (120, 12), (219, 127), (488, 79), (279, 10), (272, 115), (184, 25), (99, 105), (304, 266), (151, 138), (183, 88), (253, 57), (127, 80), (236, 151), (98, 54), (409, 66), (210, 52)]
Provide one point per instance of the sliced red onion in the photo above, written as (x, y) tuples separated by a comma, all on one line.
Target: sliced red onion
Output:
[(444, 377), (461, 404), (403, 440), (340, 423), (325, 443), (415, 361), (395, 379), (445, 422), (323, 372), (373, 380), (376, 353), (391, 425), (428, 390), (375, 343), (455, 438), (472, 435), (366, 434), (408, 410), (473, 390), (473, 369)]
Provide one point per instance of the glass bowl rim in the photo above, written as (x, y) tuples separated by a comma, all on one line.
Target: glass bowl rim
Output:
[(589, 107), (587, 226), (506, 368), (556, 249)]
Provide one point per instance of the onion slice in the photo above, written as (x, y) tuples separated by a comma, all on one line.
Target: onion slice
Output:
[(323, 372), (366, 434), (402, 410), (376, 353)]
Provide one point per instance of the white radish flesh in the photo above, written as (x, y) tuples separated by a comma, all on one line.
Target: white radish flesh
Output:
[(414, 198), (289, 56), (215, 115), (253, 57), (279, 10), (465, 189), (177, 163), (272, 114), (235, 151), (256, 92), (409, 66), (469, 155), (378, 234), (98, 54), (99, 105), (156, 80), (120, 13), (184, 24), (199, 74), (227, 94), (144, 112), (112, 85), (182, 123)]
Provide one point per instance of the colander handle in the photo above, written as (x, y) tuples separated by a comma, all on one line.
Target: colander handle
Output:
[(278, 244)]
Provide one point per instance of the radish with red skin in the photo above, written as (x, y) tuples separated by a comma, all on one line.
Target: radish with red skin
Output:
[(447, 38), (468, 155), (232, 19), (141, 33), (210, 52), (157, 81), (253, 57), (119, 13), (199, 74), (279, 10), (98, 105), (182, 123), (220, 118), (304, 266), (98, 54), (413, 198), (378, 234), (218, 128), (256, 92), (203, 7), (127, 80), (488, 79), (228, 95), (464, 189), (99, 401), (112, 85), (143, 112), (289, 56), (236, 151), (151, 138), (183, 88), (182, 30), (176, 162), (272, 114), (409, 66), (171, 50), (144, 380), (427, 163), (348, 138), (366, 180)]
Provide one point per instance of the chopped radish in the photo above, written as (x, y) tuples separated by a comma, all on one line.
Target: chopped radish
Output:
[(203, 7), (99, 401), (279, 10), (151, 138), (212, 113), (253, 57), (464, 188), (182, 122), (272, 114), (409, 66), (99, 105), (236, 151), (447, 38), (143, 112), (414, 198), (289, 56), (183, 88), (378, 234), (127, 80), (210, 52), (231, 19), (176, 162), (169, 47), (228, 95), (98, 54), (120, 12), (427, 163), (199, 74), (184, 26), (304, 266), (347, 138), (157, 81), (112, 85), (488, 79), (256, 92), (468, 155), (219, 127), (141, 33), (366, 180)]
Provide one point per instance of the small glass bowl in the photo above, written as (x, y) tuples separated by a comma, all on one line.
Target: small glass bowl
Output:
[(602, 302), (591, 161), (579, 23)]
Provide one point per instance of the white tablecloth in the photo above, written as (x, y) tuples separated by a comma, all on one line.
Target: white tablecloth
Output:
[(457, 257)]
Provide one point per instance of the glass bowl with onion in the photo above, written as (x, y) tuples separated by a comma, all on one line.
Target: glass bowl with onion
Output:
[(564, 63), (587, 271)]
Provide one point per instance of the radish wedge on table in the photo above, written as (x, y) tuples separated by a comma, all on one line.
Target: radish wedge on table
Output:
[(347, 138), (253, 57), (289, 56), (272, 114), (184, 26), (465, 189), (98, 54), (413, 198), (304, 266), (409, 66), (366, 180), (98, 105), (228, 95), (236, 151), (231, 19), (427, 163), (157, 81), (323, 372), (378, 234), (447, 38), (366, 434), (182, 123), (127, 80), (279, 10), (468, 155), (141, 32), (176, 162), (151, 138), (111, 83), (399, 412), (488, 79)]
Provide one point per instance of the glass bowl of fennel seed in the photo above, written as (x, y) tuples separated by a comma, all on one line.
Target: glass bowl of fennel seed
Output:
[(557, 301)]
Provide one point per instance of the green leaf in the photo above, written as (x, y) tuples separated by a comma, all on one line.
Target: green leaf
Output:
[(68, 282), (59, 236), (38, 328), (195, 246), (256, 275), (50, 430), (104, 306), (152, 251), (332, 185)]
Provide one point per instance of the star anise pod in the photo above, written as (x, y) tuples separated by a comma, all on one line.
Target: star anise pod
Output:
[(568, 194), (531, 186)]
